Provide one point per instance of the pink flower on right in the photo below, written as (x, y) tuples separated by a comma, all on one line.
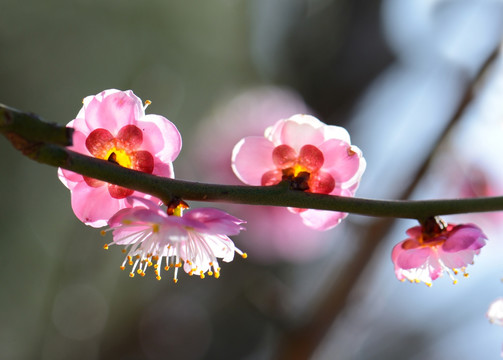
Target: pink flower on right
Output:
[(310, 155), (434, 248)]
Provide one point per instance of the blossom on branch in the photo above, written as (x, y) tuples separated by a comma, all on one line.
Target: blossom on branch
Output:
[(308, 154), (436, 247), (195, 239), (113, 126)]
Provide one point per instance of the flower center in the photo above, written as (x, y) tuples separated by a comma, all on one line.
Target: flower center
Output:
[(123, 150), (297, 176), (302, 171), (434, 231), (176, 207), (119, 157)]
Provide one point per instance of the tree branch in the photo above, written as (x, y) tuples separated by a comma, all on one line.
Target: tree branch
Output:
[(279, 195)]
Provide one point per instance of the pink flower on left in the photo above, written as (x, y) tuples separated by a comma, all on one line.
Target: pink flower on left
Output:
[(112, 126)]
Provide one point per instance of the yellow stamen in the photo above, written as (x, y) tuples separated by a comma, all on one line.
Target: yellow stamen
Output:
[(118, 156)]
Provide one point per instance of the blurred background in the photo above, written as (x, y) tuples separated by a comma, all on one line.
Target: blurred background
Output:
[(392, 72)]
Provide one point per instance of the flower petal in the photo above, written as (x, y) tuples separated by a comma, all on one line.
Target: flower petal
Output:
[(311, 158), (160, 137), (69, 178), (101, 207), (322, 219), (119, 192), (251, 158), (130, 136), (163, 169), (142, 161), (284, 156), (458, 259), (300, 130), (410, 258), (98, 142), (112, 110), (213, 221), (271, 177), (464, 237), (321, 183), (343, 161)]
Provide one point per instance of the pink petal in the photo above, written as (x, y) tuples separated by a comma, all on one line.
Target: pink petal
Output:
[(341, 160), (322, 219), (160, 137), (436, 270), (119, 192), (98, 142), (213, 221), (163, 169), (336, 132), (79, 143), (410, 258), (79, 123), (311, 157), (272, 177), (96, 212), (284, 156), (69, 178), (464, 237), (299, 133), (142, 161), (251, 158), (138, 215), (112, 110), (130, 136), (415, 232), (93, 182), (459, 259), (321, 183)]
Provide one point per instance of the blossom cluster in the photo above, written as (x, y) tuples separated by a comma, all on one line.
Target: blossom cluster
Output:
[(113, 126), (300, 152)]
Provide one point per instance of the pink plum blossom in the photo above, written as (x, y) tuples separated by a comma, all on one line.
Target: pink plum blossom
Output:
[(113, 126), (310, 155), (272, 234), (197, 238), (434, 248)]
